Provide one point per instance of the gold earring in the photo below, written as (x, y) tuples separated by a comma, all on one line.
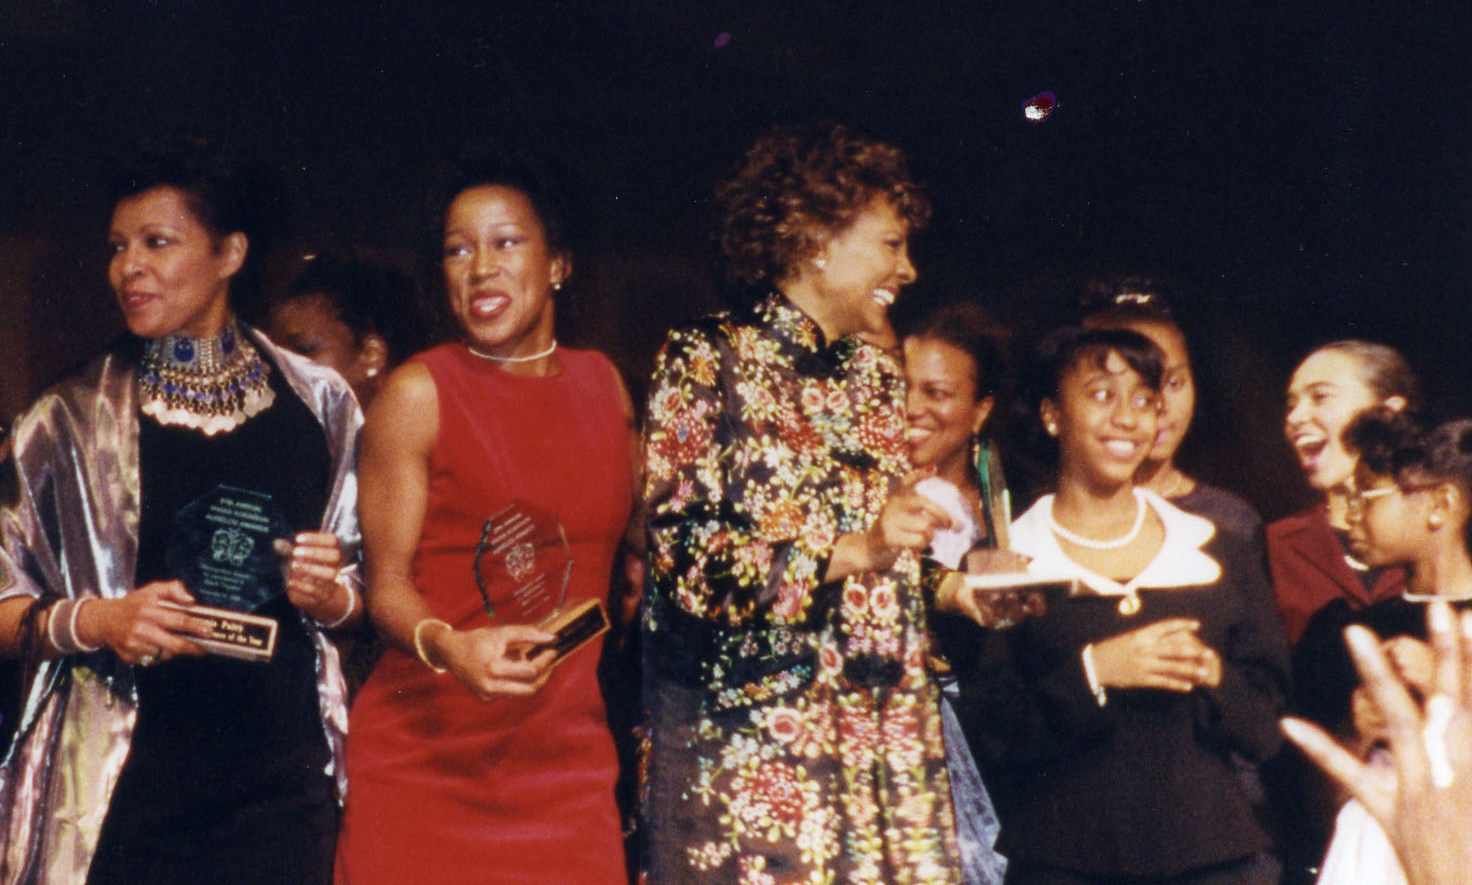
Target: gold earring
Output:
[(1051, 428)]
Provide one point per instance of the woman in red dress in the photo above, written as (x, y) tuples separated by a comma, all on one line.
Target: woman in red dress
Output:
[(472, 757)]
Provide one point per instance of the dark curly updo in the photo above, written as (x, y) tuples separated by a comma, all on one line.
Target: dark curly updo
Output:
[(1412, 450), (798, 184)]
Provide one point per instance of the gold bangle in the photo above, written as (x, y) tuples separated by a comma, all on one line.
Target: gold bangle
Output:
[(419, 643)]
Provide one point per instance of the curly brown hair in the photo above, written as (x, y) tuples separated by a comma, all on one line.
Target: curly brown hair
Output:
[(799, 184)]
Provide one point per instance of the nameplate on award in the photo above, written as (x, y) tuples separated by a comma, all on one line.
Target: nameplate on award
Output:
[(232, 634), (574, 629)]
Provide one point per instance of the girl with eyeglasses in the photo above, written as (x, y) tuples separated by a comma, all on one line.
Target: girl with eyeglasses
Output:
[(1410, 507)]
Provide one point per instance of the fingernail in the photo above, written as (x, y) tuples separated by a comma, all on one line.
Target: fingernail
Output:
[(1360, 640), (1438, 616)]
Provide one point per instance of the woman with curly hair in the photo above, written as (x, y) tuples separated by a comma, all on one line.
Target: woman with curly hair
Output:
[(794, 732)]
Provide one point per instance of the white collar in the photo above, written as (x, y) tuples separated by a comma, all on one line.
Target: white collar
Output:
[(1432, 597), (1179, 563)]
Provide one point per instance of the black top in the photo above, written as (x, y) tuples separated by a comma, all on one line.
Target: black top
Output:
[(1144, 785), (1228, 512), (1324, 675), (226, 778)]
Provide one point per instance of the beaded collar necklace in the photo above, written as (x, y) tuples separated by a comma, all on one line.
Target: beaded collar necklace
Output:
[(208, 384)]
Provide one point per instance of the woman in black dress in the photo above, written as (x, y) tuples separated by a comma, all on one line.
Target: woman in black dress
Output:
[(141, 758)]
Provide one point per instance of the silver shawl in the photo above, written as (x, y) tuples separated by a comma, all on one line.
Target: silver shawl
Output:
[(69, 527)]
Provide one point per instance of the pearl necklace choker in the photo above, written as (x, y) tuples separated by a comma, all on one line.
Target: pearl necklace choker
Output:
[(530, 358), (209, 384), (1093, 544)]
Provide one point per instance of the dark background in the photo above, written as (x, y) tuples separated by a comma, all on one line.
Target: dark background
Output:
[(1300, 168)]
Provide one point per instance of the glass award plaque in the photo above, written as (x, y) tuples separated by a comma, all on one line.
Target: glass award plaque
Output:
[(522, 567), (223, 549)]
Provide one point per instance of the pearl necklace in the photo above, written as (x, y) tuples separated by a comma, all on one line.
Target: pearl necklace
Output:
[(530, 358), (1093, 544)]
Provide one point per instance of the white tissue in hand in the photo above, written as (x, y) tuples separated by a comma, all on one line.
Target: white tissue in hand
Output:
[(949, 546)]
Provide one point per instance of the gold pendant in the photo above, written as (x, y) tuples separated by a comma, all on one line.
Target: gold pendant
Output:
[(1129, 605)]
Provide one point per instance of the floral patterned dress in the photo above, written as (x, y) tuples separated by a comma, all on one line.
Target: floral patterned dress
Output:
[(794, 735)]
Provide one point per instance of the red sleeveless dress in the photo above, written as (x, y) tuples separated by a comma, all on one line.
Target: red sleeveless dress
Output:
[(446, 788)]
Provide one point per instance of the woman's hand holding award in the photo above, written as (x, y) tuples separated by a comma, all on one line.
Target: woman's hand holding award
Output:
[(522, 567)]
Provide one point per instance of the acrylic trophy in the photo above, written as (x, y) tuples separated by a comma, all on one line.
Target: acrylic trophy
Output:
[(522, 566), (222, 549)]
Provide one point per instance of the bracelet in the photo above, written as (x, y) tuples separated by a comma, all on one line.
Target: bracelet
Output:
[(50, 627), (71, 627), (419, 643), (352, 604), (1092, 675)]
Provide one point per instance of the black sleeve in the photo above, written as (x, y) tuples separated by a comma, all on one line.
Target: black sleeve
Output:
[(1242, 712), (1024, 701)]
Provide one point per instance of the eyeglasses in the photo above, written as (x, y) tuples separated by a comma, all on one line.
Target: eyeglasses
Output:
[(1355, 499)]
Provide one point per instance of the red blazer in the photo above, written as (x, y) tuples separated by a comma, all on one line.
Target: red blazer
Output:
[(1308, 570)]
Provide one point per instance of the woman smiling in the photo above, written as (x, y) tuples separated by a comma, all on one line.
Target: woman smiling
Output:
[(140, 759), (1103, 726), (794, 732)]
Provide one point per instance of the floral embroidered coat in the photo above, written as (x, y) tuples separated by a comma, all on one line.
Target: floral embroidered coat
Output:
[(794, 736)]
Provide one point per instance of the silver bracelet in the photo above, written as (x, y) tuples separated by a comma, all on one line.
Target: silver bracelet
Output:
[(51, 627), (352, 604), (1092, 676), (71, 627)]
